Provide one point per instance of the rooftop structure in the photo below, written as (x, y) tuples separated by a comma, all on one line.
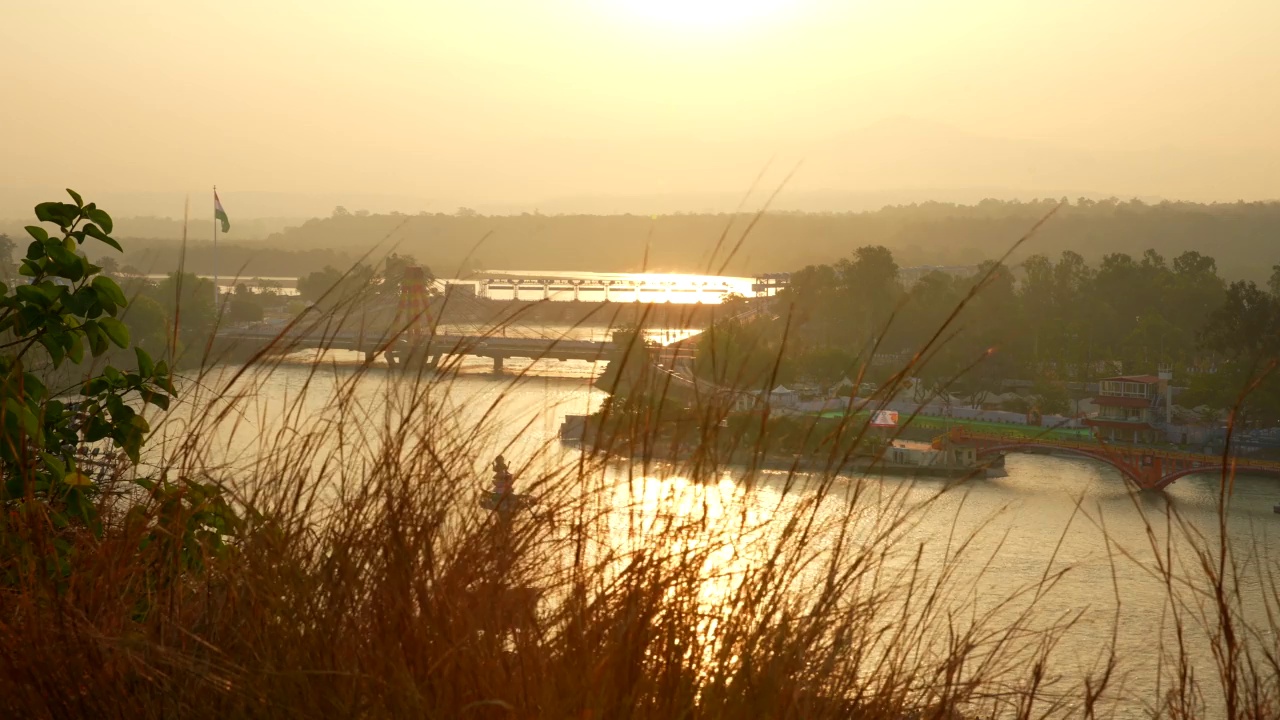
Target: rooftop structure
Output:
[(1127, 406)]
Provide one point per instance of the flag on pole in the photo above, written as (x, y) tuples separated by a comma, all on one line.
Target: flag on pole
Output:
[(219, 213)]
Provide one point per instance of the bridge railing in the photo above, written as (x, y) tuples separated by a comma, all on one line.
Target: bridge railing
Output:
[(1185, 457)]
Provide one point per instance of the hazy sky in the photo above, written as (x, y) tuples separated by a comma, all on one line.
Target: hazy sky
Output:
[(491, 101)]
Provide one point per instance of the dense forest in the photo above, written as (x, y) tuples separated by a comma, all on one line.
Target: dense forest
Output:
[(1061, 320), (1243, 237)]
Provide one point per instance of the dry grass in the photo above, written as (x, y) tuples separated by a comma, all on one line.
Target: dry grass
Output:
[(367, 582)]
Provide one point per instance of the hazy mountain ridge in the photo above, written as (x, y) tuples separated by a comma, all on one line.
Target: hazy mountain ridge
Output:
[(1241, 236), (167, 228)]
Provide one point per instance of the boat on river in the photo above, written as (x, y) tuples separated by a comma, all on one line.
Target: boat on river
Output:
[(942, 459)]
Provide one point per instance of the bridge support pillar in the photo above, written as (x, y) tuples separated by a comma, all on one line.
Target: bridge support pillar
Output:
[(1152, 471), (391, 357), (497, 364)]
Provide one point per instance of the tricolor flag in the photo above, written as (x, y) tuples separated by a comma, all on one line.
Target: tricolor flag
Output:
[(219, 213)]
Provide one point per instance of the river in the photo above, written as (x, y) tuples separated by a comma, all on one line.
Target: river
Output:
[(1049, 514)]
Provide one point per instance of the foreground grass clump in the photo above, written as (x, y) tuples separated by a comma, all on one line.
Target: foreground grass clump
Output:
[(366, 581), (321, 552)]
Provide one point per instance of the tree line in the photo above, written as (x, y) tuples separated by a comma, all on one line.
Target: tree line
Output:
[(923, 234), (926, 234), (1048, 321)]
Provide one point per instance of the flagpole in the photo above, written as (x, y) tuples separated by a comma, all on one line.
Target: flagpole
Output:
[(215, 248)]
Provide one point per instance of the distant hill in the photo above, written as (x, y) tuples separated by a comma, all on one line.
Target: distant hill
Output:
[(1243, 237), (167, 228)]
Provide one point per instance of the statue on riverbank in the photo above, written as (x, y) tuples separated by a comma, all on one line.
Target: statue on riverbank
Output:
[(503, 482), (503, 497)]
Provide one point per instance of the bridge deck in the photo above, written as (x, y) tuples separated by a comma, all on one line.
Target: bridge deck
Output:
[(1163, 453), (472, 345), (1150, 467)]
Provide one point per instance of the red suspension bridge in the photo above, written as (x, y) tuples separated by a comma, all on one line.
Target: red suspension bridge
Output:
[(1150, 468)]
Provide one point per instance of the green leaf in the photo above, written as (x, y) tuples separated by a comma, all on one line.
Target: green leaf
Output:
[(132, 446), (145, 365), (26, 420), (82, 268), (75, 196), (55, 464), (97, 338), (63, 214), (115, 330), (80, 302), (35, 250), (80, 506), (50, 343), (99, 216), (103, 237), (76, 349), (37, 232), (31, 294), (51, 290), (33, 388), (45, 211), (110, 290), (65, 258), (158, 399), (94, 231)]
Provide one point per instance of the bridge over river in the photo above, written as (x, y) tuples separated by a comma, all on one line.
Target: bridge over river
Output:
[(401, 348), (1149, 467), (406, 331)]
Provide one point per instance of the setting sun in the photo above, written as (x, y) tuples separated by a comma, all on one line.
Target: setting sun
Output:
[(704, 14)]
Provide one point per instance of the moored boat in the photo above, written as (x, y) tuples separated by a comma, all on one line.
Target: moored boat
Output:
[(943, 459)]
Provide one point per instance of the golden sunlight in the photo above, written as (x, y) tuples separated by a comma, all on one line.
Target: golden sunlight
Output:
[(704, 14)]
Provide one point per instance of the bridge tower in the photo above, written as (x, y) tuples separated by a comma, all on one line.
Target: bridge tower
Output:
[(412, 311)]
